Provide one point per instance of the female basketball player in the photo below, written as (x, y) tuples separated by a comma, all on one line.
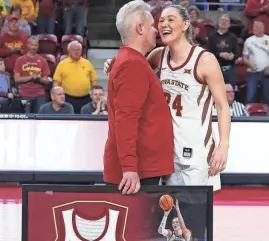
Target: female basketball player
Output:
[(190, 76), (180, 232)]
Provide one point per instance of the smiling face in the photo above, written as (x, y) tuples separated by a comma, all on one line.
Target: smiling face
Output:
[(172, 27)]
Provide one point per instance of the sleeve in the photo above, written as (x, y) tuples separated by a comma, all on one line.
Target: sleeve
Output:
[(93, 74), (211, 47), (70, 109), (252, 9), (18, 65), (4, 27), (24, 40), (42, 110), (45, 68), (130, 89), (245, 48), (57, 74), (25, 27), (235, 47), (4, 51), (245, 112), (84, 110)]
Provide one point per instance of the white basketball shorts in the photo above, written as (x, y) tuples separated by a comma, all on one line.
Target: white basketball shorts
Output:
[(193, 175)]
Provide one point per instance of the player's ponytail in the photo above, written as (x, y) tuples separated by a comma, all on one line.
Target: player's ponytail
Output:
[(185, 15)]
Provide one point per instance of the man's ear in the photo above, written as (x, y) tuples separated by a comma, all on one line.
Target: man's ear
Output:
[(140, 28)]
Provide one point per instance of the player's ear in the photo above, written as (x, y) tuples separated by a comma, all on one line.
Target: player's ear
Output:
[(186, 26)]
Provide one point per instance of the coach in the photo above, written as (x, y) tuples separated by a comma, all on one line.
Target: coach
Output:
[(139, 149)]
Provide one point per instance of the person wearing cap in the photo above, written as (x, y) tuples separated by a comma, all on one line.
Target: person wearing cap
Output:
[(24, 27), (12, 44)]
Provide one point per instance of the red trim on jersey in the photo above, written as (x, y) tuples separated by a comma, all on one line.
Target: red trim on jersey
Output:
[(206, 107), (186, 61), (104, 214), (209, 131), (162, 55), (211, 150), (196, 77), (201, 95)]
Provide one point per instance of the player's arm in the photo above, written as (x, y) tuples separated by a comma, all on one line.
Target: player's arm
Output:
[(155, 57), (161, 230), (186, 232), (209, 71)]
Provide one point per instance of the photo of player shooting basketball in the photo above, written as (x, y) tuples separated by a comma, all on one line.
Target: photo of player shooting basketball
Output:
[(180, 231)]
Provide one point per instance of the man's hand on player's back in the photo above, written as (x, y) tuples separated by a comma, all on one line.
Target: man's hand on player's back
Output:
[(130, 183), (108, 65)]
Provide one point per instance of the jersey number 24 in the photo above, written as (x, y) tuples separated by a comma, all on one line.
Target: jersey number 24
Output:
[(176, 105)]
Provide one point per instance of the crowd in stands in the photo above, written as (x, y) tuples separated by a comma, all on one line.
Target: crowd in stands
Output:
[(43, 72), (241, 49), (46, 69)]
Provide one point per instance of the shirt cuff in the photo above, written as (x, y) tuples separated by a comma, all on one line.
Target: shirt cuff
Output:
[(129, 164)]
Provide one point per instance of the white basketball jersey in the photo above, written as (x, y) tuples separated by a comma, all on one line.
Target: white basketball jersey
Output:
[(174, 237), (90, 229), (190, 102)]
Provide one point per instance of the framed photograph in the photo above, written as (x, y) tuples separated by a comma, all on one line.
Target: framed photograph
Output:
[(102, 213)]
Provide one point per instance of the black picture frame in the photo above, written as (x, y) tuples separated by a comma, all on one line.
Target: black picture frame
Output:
[(113, 189)]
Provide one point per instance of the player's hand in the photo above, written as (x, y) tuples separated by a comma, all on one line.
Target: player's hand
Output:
[(218, 161), (108, 65), (166, 213), (176, 205), (130, 183)]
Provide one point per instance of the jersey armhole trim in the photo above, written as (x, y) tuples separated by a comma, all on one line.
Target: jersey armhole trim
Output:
[(196, 77)]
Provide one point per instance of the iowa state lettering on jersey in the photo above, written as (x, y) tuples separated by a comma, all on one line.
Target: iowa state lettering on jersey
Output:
[(175, 83)]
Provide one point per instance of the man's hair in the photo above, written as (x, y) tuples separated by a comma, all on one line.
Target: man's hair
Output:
[(225, 15), (1, 59), (229, 86), (97, 87), (15, 8), (33, 37), (260, 21), (54, 88), (75, 42), (125, 17)]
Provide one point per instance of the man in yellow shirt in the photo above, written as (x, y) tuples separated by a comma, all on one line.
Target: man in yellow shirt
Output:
[(76, 75)]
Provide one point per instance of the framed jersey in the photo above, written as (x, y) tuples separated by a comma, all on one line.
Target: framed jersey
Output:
[(102, 213)]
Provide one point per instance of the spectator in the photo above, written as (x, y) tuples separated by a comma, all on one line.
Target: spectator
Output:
[(57, 104), (223, 44), (257, 9), (5, 92), (46, 16), (98, 104), (76, 75), (12, 44), (184, 3), (24, 27), (237, 109), (3, 11), (256, 57), (199, 31), (28, 9), (31, 73), (74, 12)]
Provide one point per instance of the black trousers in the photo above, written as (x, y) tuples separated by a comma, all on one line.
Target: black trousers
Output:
[(152, 181), (77, 102)]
